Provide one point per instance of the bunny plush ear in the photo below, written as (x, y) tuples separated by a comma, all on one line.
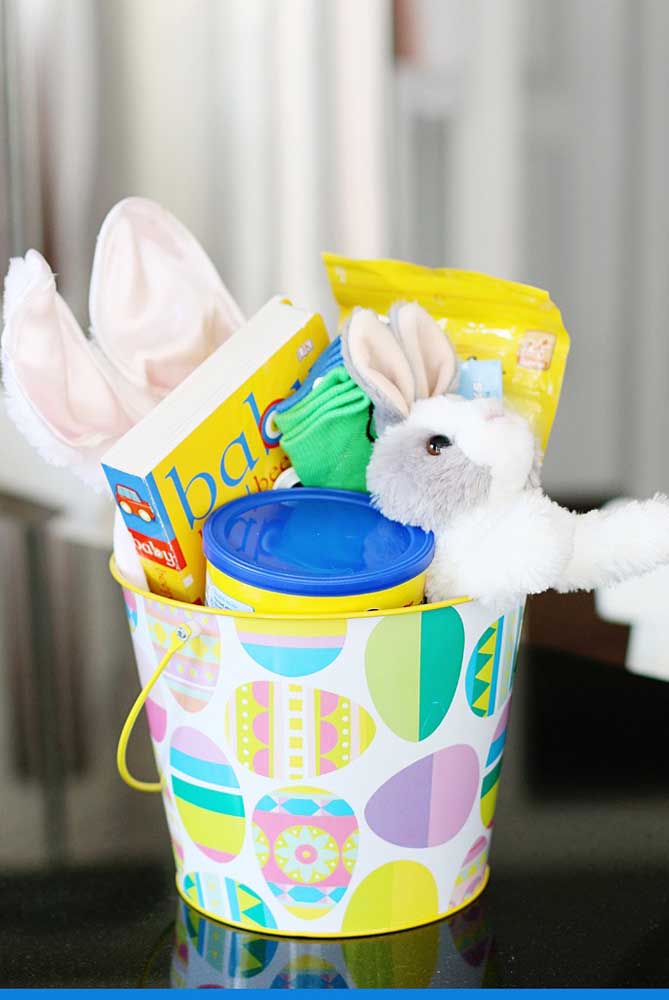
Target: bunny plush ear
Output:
[(57, 389), (375, 360), (429, 351), (157, 305)]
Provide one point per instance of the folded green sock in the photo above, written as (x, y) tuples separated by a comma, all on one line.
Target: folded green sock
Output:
[(327, 434)]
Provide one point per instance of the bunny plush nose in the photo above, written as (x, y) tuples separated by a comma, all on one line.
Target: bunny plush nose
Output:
[(492, 409)]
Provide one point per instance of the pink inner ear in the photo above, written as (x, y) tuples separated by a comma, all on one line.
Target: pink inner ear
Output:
[(380, 361), (54, 365), (158, 307), (430, 352)]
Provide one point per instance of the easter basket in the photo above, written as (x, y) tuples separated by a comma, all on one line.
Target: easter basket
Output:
[(324, 777)]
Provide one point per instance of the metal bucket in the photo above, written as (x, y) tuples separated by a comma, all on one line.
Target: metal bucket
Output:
[(325, 777)]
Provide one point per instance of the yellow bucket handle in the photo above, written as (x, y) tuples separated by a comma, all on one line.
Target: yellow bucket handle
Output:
[(182, 634)]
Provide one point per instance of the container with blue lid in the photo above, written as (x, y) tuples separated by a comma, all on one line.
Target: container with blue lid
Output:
[(312, 551)]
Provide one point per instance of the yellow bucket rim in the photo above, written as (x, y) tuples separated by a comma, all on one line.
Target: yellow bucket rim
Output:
[(335, 935), (252, 615)]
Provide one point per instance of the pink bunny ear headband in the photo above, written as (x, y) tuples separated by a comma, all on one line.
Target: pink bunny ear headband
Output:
[(157, 307)]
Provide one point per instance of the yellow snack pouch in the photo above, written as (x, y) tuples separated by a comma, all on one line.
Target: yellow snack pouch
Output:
[(486, 318)]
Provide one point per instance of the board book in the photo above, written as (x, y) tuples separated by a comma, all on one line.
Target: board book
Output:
[(212, 439)]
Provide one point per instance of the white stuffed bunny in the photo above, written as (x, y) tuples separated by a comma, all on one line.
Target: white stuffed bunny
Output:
[(468, 470)]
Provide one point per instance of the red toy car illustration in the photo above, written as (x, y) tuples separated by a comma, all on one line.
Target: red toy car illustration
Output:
[(130, 502)]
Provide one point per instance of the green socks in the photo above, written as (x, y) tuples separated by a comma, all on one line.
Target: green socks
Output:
[(328, 434)]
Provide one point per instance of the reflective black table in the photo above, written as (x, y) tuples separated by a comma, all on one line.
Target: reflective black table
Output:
[(578, 896)]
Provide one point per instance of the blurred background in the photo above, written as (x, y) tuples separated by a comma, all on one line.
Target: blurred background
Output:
[(524, 138)]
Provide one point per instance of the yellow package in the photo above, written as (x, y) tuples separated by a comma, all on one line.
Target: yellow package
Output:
[(486, 318)]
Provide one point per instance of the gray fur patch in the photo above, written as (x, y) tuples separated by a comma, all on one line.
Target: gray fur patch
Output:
[(463, 484), (414, 487)]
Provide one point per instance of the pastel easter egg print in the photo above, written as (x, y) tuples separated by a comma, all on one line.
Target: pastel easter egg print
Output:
[(394, 961), (192, 673), (309, 972), (130, 608), (492, 664), (155, 710), (306, 842), (292, 649), (234, 954), (428, 802), (398, 894), (493, 769), (157, 719), (471, 876), (283, 730), (413, 666), (207, 796), (228, 900), (170, 815)]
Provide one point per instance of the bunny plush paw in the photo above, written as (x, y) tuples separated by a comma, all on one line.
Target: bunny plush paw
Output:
[(503, 551), (618, 542)]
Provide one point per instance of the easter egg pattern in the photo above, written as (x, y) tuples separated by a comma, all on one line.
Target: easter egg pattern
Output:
[(292, 648), (156, 715), (294, 732), (493, 769), (235, 954), (130, 608), (309, 972), (413, 664), (429, 801), (492, 664), (207, 796), (157, 718), (228, 899), (170, 815), (471, 876), (396, 895), (306, 841), (192, 673)]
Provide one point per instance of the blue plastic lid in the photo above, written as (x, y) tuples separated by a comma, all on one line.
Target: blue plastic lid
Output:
[(315, 543)]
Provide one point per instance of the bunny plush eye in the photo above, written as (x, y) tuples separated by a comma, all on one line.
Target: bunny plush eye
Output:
[(436, 444)]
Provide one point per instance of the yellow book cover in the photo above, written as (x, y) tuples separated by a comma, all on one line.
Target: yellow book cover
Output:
[(212, 439)]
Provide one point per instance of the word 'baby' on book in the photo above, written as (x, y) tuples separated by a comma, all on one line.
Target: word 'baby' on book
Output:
[(212, 439)]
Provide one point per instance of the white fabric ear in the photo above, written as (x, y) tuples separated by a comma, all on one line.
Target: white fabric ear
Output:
[(428, 349), (157, 305), (377, 363), (58, 389)]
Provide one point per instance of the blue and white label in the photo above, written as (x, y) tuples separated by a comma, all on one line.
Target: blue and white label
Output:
[(214, 597), (481, 379)]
